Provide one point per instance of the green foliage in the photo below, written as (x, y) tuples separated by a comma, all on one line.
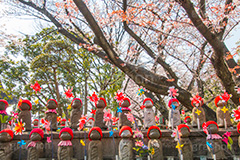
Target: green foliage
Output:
[(56, 63), (5, 119)]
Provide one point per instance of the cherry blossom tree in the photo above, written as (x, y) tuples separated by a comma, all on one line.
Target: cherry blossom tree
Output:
[(158, 44)]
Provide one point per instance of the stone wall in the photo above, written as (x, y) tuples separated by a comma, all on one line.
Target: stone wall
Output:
[(197, 137)]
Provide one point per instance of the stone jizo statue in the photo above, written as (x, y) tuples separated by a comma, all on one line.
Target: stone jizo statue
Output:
[(101, 104), (123, 121), (25, 114), (126, 144), (95, 148), (76, 113), (174, 118), (6, 136), (149, 116), (65, 148), (198, 112), (154, 134), (35, 147), (51, 113)]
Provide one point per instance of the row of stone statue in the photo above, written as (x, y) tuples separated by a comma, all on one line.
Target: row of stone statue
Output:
[(125, 152), (198, 113)]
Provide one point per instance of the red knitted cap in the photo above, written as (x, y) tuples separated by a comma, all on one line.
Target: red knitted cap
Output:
[(9, 131), (125, 128), (28, 102), (187, 118), (125, 99), (182, 126), (147, 99), (97, 129), (69, 130), (4, 101), (238, 127), (37, 130), (208, 123), (154, 127), (217, 99), (171, 101), (53, 100), (76, 99)]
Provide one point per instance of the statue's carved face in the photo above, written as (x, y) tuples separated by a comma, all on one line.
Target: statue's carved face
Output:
[(148, 104), (76, 104), (175, 104), (5, 137), (51, 105), (184, 132), (65, 136), (95, 135), (188, 120), (35, 137), (221, 103), (126, 134), (154, 134), (212, 128), (2, 106), (125, 103), (100, 104), (35, 123), (25, 107), (199, 105)]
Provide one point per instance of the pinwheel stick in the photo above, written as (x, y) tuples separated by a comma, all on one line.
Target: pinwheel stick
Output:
[(198, 122), (116, 155), (172, 118), (85, 149), (20, 150), (225, 121), (214, 155), (181, 155), (51, 137)]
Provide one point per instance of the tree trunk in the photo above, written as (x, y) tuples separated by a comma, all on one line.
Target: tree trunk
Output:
[(57, 92)]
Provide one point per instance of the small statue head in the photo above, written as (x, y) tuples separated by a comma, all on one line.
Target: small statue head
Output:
[(221, 101), (173, 103), (125, 103), (95, 134), (3, 104), (76, 103), (26, 105), (63, 122), (101, 103), (35, 122), (210, 127), (66, 134), (126, 132), (154, 132), (197, 101), (148, 103), (36, 134), (187, 119), (238, 127), (184, 130), (52, 104), (6, 135)]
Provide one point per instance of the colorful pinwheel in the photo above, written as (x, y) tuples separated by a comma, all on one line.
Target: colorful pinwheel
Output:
[(141, 91), (19, 127), (172, 92), (36, 87), (68, 92)]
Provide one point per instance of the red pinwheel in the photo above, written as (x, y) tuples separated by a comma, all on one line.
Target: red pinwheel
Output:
[(69, 93), (94, 98), (114, 120), (82, 122), (225, 96), (119, 96), (196, 100), (236, 114), (93, 111), (36, 87)]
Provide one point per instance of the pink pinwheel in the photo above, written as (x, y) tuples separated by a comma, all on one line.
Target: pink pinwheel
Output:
[(107, 116), (14, 115), (94, 98), (196, 100), (172, 92), (36, 87), (119, 96), (227, 134), (236, 114), (225, 139), (49, 140), (68, 92), (130, 117)]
